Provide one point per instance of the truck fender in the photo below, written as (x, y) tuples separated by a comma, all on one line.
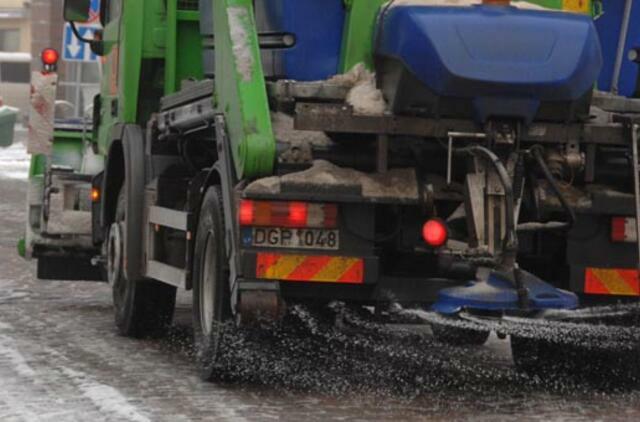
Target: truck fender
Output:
[(126, 169), (206, 179)]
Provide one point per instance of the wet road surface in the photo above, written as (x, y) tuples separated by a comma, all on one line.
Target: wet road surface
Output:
[(61, 360)]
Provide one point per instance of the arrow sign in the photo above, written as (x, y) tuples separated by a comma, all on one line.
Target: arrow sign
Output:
[(75, 50)]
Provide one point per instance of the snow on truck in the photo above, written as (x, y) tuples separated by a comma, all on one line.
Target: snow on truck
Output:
[(450, 156)]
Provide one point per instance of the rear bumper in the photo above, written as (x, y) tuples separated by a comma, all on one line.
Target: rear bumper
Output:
[(322, 277)]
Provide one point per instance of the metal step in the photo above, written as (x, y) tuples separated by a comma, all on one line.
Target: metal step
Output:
[(174, 219), (167, 217), (167, 274)]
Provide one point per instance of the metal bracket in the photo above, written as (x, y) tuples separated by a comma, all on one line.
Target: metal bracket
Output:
[(636, 182), (382, 165), (458, 135), (228, 182)]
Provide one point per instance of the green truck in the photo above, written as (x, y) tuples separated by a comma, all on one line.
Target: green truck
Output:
[(443, 155)]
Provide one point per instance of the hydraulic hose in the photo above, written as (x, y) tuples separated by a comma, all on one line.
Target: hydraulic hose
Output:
[(537, 152)]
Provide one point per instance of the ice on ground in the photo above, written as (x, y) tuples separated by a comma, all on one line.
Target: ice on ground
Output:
[(239, 21), (364, 96), (14, 162), (8, 350), (7, 295), (105, 397)]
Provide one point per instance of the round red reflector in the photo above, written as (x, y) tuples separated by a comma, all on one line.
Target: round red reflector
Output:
[(50, 56), (435, 233)]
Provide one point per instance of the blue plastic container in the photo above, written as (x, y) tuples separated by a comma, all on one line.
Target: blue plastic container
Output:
[(318, 27), (609, 29), (502, 59)]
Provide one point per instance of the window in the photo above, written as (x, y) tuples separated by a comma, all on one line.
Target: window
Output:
[(90, 73), (16, 73), (9, 40)]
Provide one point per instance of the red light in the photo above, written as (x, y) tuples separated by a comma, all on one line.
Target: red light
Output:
[(330, 215), (246, 212), (298, 212), (50, 57), (435, 233), (618, 229), (293, 214)]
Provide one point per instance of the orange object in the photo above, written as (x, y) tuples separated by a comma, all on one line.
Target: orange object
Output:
[(318, 269), (612, 281), (95, 194)]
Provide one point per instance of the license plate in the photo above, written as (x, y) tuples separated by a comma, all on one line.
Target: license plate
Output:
[(321, 239)]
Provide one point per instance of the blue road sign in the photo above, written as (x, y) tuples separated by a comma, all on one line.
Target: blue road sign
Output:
[(75, 50), (95, 11)]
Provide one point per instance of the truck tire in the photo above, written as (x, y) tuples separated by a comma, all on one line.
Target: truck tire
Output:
[(142, 308), (459, 336), (212, 316)]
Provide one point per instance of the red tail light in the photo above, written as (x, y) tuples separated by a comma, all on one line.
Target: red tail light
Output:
[(435, 233), (246, 213), (623, 229), (298, 214), (287, 214)]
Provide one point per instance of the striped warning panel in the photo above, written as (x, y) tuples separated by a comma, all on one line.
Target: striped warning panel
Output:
[(612, 281), (320, 269), (578, 6)]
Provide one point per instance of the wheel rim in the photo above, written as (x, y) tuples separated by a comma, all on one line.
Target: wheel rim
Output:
[(114, 264), (114, 253), (208, 282)]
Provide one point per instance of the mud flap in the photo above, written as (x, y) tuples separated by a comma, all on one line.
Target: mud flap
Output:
[(68, 269)]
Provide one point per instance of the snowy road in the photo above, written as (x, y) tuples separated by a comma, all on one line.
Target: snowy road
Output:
[(61, 360)]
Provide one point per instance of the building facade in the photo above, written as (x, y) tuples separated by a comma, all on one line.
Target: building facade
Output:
[(15, 26)]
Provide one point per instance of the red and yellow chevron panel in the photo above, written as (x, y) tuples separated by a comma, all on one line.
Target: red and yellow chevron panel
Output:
[(612, 281), (319, 269)]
